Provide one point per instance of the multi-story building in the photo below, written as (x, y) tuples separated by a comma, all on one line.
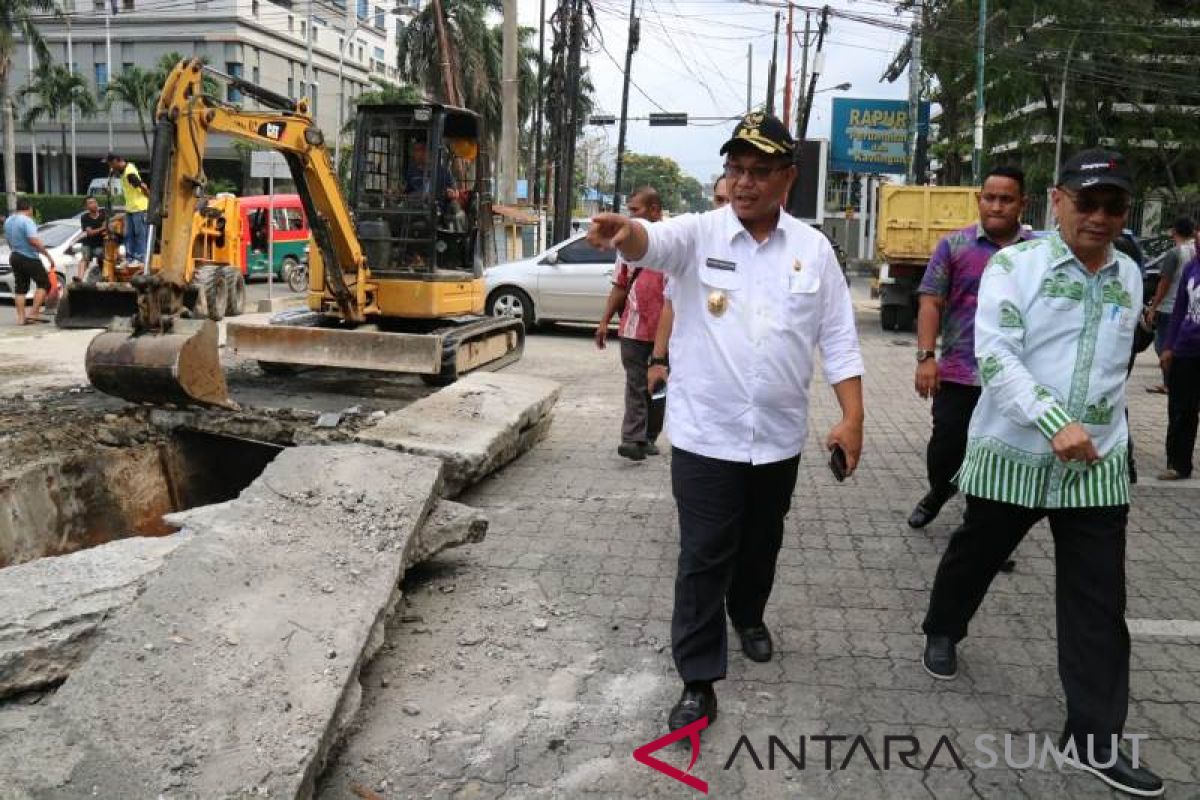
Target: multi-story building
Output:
[(264, 41)]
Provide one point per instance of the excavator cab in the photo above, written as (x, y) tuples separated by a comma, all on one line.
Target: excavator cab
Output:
[(415, 197)]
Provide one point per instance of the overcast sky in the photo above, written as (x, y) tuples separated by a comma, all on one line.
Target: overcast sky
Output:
[(693, 58)]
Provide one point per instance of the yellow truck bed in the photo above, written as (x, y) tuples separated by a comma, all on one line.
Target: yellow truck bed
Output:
[(913, 218)]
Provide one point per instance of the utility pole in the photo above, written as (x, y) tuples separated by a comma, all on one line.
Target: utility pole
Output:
[(817, 68), (71, 66), (634, 37), (771, 72), (108, 67), (802, 87), (308, 63), (794, 198), (33, 147), (341, 92), (564, 194), (913, 175), (977, 153), (536, 190), (749, 76), (508, 105), (787, 81)]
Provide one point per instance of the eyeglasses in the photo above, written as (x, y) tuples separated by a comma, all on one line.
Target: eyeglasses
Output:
[(1113, 205), (760, 174)]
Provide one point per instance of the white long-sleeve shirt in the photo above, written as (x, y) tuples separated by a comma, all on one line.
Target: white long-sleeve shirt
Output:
[(748, 318)]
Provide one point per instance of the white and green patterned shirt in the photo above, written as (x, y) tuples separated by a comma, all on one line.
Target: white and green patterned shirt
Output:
[(1053, 343)]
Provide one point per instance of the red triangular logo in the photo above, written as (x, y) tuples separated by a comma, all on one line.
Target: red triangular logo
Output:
[(692, 732)]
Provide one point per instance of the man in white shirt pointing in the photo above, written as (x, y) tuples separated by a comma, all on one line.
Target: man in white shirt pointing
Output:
[(756, 292)]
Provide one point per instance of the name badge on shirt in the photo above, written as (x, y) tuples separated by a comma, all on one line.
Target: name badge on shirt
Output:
[(717, 263)]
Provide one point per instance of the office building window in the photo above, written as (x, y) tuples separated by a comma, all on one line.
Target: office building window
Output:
[(254, 7), (291, 87), (364, 9), (100, 72), (380, 18), (303, 29), (99, 5), (255, 76), (234, 70), (360, 52), (379, 54), (291, 23), (125, 67), (127, 5)]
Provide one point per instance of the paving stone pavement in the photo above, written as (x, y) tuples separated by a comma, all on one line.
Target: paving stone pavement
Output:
[(534, 663)]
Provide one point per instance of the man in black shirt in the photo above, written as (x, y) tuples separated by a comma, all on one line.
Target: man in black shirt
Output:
[(94, 222)]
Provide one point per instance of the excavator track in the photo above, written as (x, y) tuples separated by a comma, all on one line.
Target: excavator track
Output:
[(482, 343)]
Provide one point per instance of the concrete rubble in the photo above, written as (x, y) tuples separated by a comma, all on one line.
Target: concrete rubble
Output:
[(475, 425), (235, 671)]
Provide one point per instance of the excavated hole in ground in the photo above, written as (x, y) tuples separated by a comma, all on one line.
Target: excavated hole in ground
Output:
[(86, 497)]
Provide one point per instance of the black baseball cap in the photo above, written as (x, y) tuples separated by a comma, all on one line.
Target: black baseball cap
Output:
[(1088, 169), (109, 157), (764, 132)]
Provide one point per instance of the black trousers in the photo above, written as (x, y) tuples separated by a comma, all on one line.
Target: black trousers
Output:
[(1183, 413), (1089, 558), (730, 529), (952, 407), (643, 420)]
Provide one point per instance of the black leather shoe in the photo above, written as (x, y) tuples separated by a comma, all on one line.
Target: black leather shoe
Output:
[(926, 511), (650, 449), (698, 700), (939, 658), (756, 643), (1121, 775), (634, 451)]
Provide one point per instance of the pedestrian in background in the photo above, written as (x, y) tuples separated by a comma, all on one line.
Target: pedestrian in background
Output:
[(1158, 310), (1181, 359), (638, 296), (756, 292), (94, 223), (1048, 439), (137, 200), (659, 368), (948, 295), (25, 249)]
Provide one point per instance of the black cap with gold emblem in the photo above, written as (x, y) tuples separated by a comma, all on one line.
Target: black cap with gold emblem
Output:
[(763, 132)]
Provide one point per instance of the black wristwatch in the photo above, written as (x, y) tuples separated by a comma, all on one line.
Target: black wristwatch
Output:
[(925, 355), (659, 361)]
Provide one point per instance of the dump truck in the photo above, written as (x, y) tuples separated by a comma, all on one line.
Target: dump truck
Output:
[(911, 221)]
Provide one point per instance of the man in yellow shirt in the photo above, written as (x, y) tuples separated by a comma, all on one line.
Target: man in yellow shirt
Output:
[(137, 200)]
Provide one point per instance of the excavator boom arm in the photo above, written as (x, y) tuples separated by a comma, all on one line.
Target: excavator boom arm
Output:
[(185, 118)]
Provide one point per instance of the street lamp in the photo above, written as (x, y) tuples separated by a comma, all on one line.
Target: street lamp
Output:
[(841, 87)]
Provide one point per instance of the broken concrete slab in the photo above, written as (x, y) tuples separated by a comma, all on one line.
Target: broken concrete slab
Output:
[(475, 426), (51, 608), (449, 525), (235, 670)]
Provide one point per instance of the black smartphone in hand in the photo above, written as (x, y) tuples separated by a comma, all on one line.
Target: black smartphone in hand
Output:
[(837, 463)]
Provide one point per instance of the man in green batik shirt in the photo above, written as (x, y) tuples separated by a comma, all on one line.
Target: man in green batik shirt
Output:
[(1048, 439)]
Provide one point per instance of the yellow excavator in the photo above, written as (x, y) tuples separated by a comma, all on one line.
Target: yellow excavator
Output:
[(395, 276)]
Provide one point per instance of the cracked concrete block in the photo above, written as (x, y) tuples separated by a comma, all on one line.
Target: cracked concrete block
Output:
[(51, 608), (449, 525), (236, 670), (476, 425)]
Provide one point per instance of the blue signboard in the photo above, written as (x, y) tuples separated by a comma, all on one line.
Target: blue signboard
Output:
[(871, 135)]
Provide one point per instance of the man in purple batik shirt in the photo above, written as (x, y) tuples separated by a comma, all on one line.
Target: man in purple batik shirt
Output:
[(948, 293), (1181, 359)]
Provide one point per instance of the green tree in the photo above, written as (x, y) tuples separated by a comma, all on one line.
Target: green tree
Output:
[(17, 18), (139, 89), (51, 95), (384, 93), (660, 173)]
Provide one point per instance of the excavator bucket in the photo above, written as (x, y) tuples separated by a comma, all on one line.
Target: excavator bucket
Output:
[(182, 366), (93, 305)]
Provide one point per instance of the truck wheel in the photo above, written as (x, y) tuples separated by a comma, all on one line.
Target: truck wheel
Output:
[(888, 316), (235, 286), (213, 294)]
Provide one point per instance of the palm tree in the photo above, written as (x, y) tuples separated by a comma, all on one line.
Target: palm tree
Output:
[(137, 88), (384, 93), (16, 16), (475, 56), (57, 89)]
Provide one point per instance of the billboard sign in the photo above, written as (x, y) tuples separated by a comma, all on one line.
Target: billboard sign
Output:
[(871, 136)]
